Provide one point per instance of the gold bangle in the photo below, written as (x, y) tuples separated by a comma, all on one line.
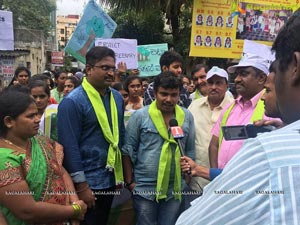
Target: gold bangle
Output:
[(77, 210)]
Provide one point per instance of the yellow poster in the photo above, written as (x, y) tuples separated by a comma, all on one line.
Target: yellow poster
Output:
[(219, 28)]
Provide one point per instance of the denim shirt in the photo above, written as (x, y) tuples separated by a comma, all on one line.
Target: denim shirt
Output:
[(143, 144), (85, 146)]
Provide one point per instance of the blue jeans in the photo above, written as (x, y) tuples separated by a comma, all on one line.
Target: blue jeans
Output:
[(151, 212)]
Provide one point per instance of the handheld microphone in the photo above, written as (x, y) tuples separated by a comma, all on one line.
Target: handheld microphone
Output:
[(177, 134)]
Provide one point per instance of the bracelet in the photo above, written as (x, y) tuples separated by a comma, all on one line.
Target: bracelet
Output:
[(77, 210), (83, 189), (126, 185)]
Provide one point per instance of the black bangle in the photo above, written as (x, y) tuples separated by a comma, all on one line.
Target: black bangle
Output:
[(126, 185)]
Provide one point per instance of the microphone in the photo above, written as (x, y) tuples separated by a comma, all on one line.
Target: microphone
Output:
[(177, 134)]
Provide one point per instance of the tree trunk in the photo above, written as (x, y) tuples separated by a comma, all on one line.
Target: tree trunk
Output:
[(175, 28)]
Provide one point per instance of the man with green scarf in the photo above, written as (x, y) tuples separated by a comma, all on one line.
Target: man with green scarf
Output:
[(91, 129), (151, 156)]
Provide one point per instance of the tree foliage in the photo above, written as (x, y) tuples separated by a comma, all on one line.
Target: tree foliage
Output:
[(176, 13), (147, 28), (32, 14), (170, 8)]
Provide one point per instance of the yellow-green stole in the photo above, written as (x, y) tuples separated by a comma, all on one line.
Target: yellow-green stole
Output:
[(164, 167), (114, 158)]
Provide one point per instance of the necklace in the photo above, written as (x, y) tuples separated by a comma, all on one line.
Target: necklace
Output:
[(10, 143)]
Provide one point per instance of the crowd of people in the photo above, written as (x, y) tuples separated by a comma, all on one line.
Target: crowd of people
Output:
[(69, 142)]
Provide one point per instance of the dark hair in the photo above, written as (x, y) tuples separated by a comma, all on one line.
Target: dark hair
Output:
[(169, 57), (186, 76), (216, 41), (287, 41), (39, 83), (258, 72), (13, 104), (118, 86), (48, 74), (17, 88), (17, 71), (128, 81), (74, 81), (20, 69), (42, 77), (145, 79), (167, 80), (273, 67), (98, 53), (218, 18), (57, 74), (197, 68)]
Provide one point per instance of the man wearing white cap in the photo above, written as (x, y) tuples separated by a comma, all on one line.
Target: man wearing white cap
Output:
[(251, 74), (206, 112)]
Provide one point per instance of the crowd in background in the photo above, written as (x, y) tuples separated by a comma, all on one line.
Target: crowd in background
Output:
[(114, 132)]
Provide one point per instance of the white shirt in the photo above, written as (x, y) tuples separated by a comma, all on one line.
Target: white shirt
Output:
[(260, 185), (204, 119)]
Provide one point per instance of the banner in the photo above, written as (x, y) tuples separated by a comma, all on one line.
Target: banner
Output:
[(57, 58), (125, 50), (148, 58), (7, 70), (93, 23), (6, 31), (219, 29)]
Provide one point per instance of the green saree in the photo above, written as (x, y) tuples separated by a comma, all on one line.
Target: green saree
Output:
[(40, 168)]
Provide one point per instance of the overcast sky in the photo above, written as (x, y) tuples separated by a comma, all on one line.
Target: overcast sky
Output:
[(70, 7)]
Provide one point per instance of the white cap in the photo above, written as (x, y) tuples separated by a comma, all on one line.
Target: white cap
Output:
[(256, 55), (216, 71)]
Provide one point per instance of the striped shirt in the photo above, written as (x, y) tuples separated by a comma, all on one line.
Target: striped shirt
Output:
[(260, 185)]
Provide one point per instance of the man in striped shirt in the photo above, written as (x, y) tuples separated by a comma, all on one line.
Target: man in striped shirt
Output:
[(261, 184)]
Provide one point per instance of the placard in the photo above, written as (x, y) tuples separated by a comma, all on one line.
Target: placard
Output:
[(57, 58), (6, 30), (94, 23), (125, 50), (148, 58)]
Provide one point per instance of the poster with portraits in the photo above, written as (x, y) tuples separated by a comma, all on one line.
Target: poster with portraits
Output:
[(219, 31)]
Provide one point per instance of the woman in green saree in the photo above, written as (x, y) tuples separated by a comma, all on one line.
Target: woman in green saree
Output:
[(34, 187)]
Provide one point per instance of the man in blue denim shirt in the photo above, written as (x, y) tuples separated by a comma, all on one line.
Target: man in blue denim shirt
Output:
[(143, 149), (85, 145)]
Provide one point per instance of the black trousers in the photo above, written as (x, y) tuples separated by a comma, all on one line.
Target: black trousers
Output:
[(99, 215)]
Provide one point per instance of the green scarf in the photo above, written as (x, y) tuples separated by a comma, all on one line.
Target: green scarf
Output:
[(114, 159), (36, 177), (164, 167), (197, 94)]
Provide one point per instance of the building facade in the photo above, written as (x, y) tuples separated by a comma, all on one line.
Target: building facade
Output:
[(65, 27)]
